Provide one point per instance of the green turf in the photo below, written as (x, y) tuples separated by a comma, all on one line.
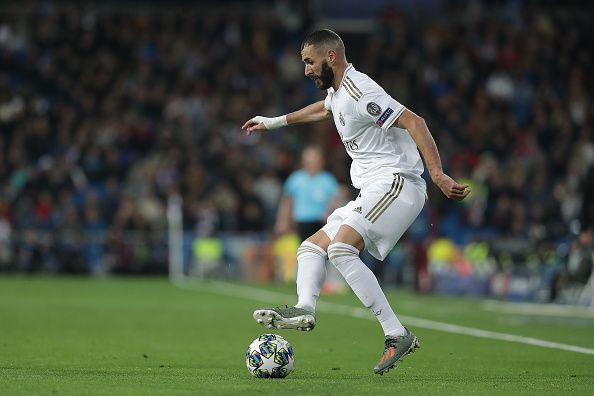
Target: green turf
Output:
[(78, 336)]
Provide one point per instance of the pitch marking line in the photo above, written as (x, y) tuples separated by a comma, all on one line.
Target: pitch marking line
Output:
[(253, 293), (535, 309)]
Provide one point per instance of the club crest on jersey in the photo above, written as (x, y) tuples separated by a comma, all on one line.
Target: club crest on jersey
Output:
[(374, 109), (341, 119)]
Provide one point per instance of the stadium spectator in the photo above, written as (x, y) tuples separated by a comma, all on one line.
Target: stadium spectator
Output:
[(111, 101)]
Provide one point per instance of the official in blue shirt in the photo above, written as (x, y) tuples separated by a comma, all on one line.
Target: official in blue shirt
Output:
[(308, 196)]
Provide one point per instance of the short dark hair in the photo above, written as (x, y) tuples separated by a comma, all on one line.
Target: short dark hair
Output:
[(323, 38)]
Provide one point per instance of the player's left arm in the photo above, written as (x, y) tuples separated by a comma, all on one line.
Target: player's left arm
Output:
[(312, 113), (418, 130)]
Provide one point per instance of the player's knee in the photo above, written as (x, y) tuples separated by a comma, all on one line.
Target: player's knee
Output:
[(307, 247), (339, 252)]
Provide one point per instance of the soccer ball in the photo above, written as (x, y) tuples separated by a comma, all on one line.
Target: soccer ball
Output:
[(269, 356)]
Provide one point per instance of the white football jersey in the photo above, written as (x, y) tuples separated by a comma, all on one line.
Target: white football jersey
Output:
[(363, 113)]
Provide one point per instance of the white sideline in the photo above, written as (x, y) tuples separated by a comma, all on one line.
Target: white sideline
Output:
[(538, 309), (256, 294)]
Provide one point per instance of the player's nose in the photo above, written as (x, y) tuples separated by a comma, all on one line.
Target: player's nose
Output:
[(308, 71)]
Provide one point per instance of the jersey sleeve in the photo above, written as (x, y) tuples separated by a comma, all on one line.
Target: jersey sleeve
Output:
[(328, 102), (290, 187), (379, 108), (332, 185)]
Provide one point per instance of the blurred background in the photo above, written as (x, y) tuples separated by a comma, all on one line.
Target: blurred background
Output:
[(115, 114)]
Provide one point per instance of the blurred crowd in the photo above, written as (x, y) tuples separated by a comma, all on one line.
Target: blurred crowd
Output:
[(105, 112)]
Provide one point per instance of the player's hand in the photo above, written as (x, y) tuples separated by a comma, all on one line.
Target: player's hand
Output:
[(254, 124), (264, 123), (450, 188)]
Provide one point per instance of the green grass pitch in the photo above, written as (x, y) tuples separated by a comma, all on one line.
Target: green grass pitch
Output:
[(130, 336)]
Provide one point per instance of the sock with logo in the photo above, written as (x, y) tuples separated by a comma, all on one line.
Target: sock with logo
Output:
[(365, 285)]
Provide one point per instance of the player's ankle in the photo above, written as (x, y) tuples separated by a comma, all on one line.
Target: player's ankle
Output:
[(396, 332), (307, 307)]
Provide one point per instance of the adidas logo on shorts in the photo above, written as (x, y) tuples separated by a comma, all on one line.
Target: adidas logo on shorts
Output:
[(358, 209)]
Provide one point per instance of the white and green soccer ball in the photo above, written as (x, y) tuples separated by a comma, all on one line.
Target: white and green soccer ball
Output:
[(270, 356)]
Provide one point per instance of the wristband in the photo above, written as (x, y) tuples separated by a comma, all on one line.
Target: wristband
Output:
[(272, 123)]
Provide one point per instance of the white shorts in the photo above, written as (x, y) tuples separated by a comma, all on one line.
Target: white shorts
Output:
[(382, 212)]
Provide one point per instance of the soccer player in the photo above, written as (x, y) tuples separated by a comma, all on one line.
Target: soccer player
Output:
[(383, 138)]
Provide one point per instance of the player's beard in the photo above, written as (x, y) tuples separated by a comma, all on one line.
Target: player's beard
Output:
[(326, 77)]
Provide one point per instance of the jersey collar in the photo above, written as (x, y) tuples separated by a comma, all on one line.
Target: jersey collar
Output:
[(346, 71)]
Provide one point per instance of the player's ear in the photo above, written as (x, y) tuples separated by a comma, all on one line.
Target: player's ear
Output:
[(331, 56)]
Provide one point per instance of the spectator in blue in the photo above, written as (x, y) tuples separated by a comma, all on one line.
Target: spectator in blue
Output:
[(309, 195)]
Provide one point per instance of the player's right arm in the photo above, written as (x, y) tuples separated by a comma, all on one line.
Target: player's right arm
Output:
[(311, 113), (284, 219)]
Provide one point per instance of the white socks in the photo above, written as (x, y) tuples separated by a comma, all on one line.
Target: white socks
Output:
[(311, 272), (364, 283)]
